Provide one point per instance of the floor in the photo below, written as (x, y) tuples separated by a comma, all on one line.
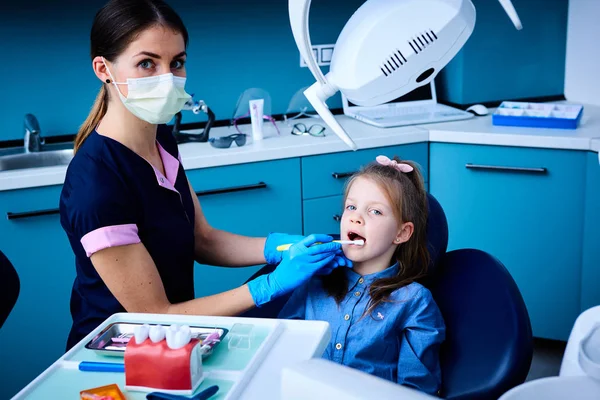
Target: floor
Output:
[(547, 356)]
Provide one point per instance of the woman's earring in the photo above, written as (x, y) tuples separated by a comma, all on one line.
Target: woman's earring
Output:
[(107, 80)]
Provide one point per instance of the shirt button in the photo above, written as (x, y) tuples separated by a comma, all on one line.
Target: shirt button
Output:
[(346, 317), (338, 346), (357, 294), (162, 180), (361, 280)]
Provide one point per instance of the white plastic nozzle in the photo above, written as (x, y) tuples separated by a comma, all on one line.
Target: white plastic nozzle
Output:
[(312, 94), (512, 13), (321, 90)]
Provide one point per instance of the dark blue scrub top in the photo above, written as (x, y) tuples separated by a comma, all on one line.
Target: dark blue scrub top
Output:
[(112, 196)]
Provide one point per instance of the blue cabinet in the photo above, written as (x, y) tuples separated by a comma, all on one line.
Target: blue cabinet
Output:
[(35, 333), (525, 207), (247, 199), (590, 273)]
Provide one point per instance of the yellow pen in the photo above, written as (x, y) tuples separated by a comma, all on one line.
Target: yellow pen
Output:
[(285, 247)]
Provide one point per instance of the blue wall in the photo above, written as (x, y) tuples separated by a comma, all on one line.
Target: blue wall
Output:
[(235, 45), (499, 62)]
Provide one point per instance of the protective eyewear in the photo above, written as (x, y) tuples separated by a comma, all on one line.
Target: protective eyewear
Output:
[(224, 142), (301, 114), (316, 130), (265, 117)]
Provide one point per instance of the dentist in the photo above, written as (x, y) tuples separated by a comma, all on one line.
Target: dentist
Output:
[(133, 221)]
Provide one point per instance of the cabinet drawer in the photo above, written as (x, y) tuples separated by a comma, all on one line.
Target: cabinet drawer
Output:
[(24, 204), (323, 215), (525, 207), (251, 199), (325, 175)]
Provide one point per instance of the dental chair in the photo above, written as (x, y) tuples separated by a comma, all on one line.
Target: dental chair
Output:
[(10, 286), (489, 344)]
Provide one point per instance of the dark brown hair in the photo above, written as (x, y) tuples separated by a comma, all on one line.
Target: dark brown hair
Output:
[(406, 193), (115, 26)]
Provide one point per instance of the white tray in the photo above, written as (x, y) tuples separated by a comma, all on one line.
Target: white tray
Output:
[(230, 369)]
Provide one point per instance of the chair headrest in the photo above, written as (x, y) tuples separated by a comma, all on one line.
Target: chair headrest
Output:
[(437, 232)]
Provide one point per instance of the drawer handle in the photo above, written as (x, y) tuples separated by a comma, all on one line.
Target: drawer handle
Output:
[(507, 169), (259, 185), (28, 214), (337, 218), (342, 175)]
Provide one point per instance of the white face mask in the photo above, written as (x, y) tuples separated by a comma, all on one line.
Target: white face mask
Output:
[(155, 99)]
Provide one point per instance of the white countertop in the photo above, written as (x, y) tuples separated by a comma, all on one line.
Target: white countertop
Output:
[(478, 130)]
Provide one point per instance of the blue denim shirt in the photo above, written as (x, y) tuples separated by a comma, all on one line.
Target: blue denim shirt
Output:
[(399, 341)]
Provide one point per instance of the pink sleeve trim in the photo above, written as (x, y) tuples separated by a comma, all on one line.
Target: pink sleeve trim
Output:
[(109, 236)]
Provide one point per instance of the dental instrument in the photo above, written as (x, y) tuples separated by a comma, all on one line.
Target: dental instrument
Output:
[(203, 395), (94, 366), (358, 242), (387, 49)]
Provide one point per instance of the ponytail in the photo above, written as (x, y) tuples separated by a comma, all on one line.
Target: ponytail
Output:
[(93, 119)]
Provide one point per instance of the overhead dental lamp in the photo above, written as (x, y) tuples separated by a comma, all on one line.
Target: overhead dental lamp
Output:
[(387, 49)]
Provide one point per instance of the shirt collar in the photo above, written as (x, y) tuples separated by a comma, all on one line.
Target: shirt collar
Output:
[(354, 277), (171, 166)]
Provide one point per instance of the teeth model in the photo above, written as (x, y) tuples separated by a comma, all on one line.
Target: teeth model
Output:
[(157, 333), (141, 333), (178, 337)]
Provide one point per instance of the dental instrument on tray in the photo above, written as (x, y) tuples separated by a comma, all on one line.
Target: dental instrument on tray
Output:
[(359, 242), (209, 342), (203, 395), (94, 366), (387, 49)]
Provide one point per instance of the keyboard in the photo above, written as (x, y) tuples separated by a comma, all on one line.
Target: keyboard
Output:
[(397, 112), (411, 115)]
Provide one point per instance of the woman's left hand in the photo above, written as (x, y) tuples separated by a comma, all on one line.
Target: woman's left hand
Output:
[(272, 255), (338, 261)]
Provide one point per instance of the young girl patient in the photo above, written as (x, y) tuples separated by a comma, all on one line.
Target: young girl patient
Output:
[(382, 321)]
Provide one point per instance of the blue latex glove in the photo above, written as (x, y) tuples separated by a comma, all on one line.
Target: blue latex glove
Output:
[(273, 256), (299, 264), (338, 261)]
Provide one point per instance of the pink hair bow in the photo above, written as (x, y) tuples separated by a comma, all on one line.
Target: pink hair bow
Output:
[(402, 167)]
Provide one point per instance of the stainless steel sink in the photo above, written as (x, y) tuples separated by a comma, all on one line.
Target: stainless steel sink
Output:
[(49, 157)]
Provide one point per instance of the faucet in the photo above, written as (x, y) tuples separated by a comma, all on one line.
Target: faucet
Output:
[(33, 140)]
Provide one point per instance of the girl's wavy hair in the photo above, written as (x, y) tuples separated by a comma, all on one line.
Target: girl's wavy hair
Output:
[(406, 193)]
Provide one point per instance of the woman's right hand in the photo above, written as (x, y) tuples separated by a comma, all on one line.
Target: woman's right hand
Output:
[(303, 260)]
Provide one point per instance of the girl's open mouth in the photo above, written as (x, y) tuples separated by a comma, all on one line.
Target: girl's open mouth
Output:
[(356, 236)]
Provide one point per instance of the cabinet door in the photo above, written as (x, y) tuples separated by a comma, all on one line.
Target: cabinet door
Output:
[(36, 331), (525, 207), (326, 175), (252, 200), (590, 274), (323, 215)]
